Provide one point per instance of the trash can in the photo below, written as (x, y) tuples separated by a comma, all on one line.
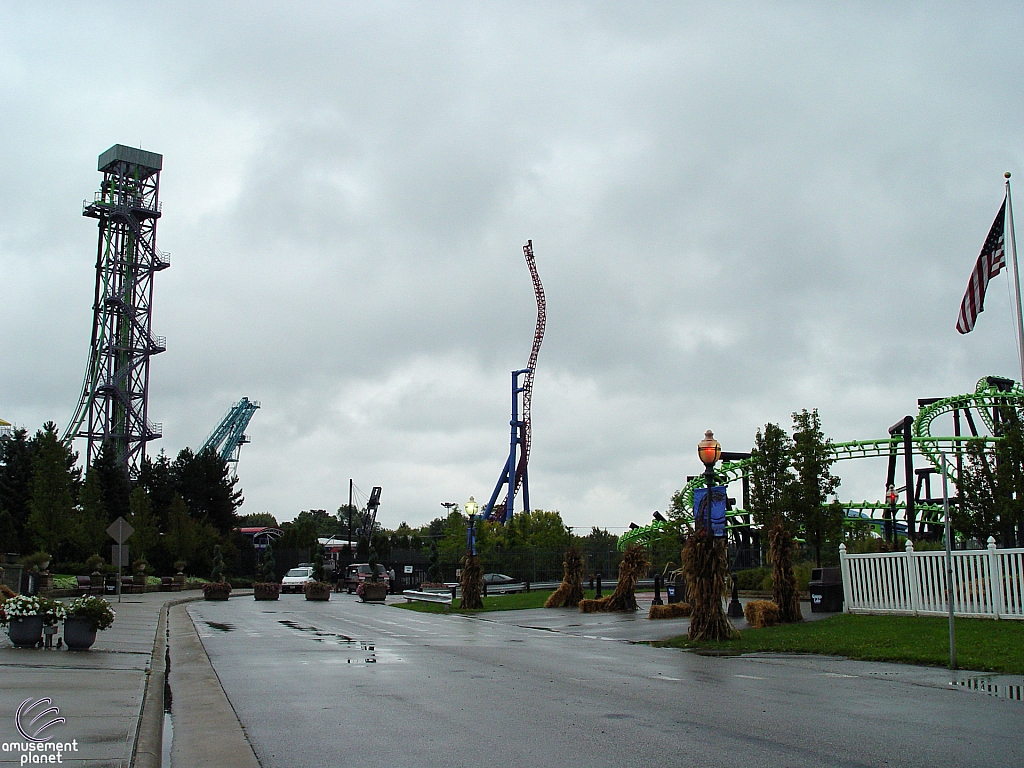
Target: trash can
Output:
[(675, 590), (826, 588)]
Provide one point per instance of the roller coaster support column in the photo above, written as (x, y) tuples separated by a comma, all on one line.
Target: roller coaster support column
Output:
[(902, 428), (516, 440)]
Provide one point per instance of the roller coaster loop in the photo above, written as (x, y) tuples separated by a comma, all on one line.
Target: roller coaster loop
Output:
[(990, 394)]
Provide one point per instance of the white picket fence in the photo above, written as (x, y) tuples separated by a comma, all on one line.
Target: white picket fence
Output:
[(986, 583)]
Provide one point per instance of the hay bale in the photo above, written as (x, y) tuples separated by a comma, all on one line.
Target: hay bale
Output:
[(595, 606), (570, 592), (670, 611), (761, 613)]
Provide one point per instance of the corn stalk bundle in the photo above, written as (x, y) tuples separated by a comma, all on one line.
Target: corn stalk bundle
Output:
[(706, 568), (634, 565), (570, 592), (472, 582), (784, 592)]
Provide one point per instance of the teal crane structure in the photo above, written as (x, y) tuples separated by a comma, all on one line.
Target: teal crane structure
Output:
[(229, 436)]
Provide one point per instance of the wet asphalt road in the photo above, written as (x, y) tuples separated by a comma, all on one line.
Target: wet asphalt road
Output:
[(350, 684)]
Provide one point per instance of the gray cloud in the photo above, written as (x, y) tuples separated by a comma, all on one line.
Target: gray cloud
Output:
[(737, 210)]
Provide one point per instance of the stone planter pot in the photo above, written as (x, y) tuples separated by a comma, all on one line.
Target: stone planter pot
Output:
[(217, 596), (79, 634), (26, 632), (266, 591), (374, 593), (318, 594)]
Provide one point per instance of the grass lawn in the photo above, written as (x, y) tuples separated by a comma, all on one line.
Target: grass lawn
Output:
[(981, 644), (513, 602)]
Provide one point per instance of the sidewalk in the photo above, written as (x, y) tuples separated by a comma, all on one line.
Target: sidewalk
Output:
[(99, 692)]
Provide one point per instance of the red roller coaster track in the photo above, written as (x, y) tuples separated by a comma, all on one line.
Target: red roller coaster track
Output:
[(498, 512)]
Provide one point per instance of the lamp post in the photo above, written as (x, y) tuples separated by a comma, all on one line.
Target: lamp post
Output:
[(890, 499), (471, 509), (709, 452)]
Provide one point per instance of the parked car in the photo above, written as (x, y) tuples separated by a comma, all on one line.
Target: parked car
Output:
[(496, 581), (357, 573), (296, 578)]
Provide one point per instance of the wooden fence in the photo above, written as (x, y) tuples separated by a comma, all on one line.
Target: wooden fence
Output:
[(986, 583)]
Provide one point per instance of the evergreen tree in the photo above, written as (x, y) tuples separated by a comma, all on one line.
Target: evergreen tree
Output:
[(16, 486), (156, 477), (52, 491), (771, 483), (181, 537), (114, 484), (91, 519), (812, 459), (205, 483), (142, 519)]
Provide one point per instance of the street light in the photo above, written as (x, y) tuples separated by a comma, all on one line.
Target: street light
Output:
[(471, 509), (709, 452)]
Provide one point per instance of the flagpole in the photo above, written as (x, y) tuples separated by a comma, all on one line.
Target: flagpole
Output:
[(1016, 275)]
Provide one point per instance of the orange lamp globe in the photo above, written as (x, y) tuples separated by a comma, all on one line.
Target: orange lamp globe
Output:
[(709, 449)]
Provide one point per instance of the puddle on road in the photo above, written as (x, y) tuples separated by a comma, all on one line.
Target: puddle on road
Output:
[(367, 651), (220, 626), (1000, 686)]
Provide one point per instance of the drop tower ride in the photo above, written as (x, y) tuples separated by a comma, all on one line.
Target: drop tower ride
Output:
[(115, 393)]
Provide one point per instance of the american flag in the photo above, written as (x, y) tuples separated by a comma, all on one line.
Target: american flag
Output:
[(990, 263)]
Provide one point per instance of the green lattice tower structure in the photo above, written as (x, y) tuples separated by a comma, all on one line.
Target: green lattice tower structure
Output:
[(990, 394), (114, 404)]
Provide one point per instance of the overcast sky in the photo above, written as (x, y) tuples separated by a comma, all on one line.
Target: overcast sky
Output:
[(738, 210)]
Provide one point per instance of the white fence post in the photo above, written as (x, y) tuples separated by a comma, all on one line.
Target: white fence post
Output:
[(995, 578), (844, 566), (913, 579)]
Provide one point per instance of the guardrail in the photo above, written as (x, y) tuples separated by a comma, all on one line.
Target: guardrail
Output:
[(987, 583)]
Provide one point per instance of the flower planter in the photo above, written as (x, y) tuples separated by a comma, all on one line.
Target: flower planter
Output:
[(217, 595), (79, 634), (25, 632), (266, 591), (374, 593), (317, 590)]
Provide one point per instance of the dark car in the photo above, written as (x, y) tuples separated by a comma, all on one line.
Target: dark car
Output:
[(497, 582)]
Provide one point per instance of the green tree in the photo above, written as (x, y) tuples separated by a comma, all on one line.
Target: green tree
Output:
[(91, 519), (325, 524), (205, 483), (142, 519), (53, 485), (771, 484), (812, 459), (181, 538), (157, 478), (992, 486), (113, 481), (257, 520), (298, 534), (16, 485)]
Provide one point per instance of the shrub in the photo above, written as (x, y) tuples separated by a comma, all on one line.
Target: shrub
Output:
[(95, 609)]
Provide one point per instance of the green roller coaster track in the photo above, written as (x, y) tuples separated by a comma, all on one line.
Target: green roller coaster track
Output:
[(984, 400)]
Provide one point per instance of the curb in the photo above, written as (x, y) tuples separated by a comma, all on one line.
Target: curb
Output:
[(148, 749)]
